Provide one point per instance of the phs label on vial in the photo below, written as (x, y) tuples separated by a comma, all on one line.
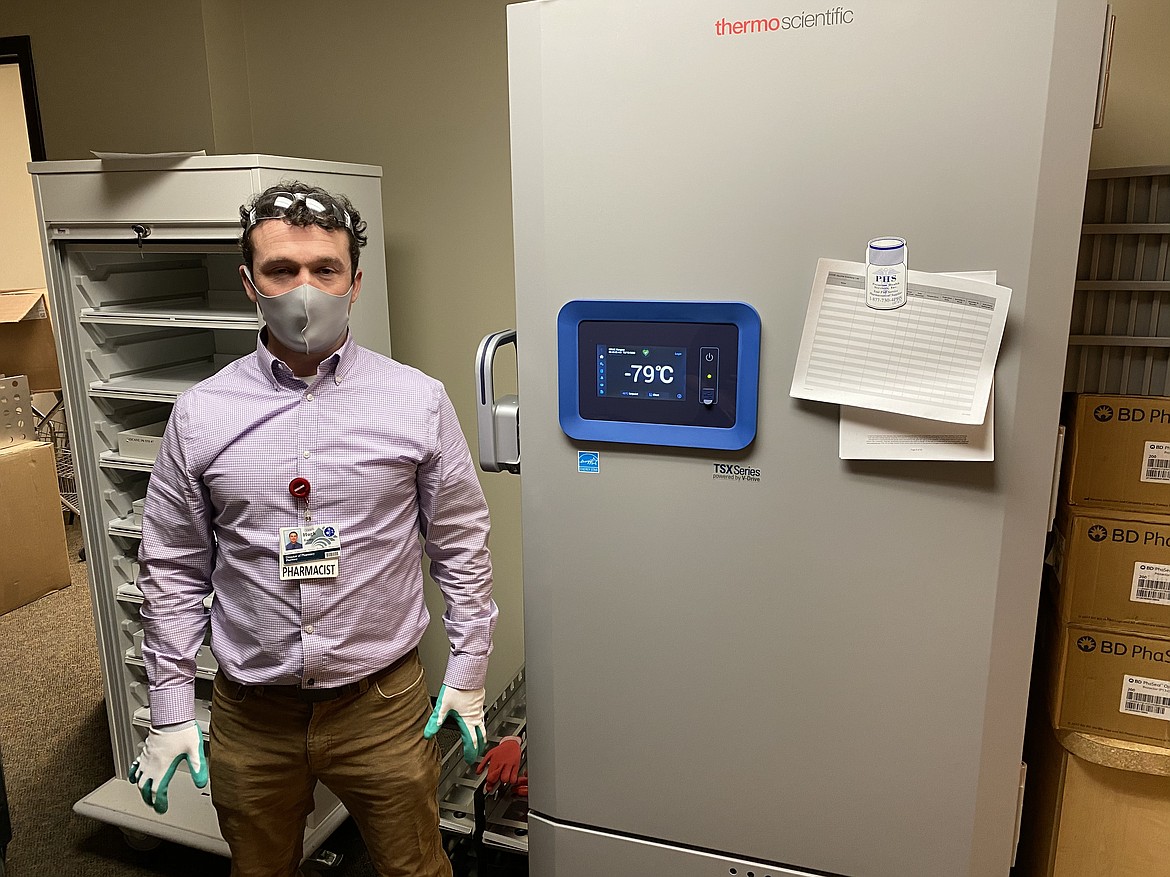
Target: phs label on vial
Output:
[(885, 273)]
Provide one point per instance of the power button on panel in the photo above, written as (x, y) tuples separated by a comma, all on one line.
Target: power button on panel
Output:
[(708, 375)]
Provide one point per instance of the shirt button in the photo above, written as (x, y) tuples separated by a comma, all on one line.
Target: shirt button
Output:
[(312, 681), (308, 628), (306, 455), (309, 397)]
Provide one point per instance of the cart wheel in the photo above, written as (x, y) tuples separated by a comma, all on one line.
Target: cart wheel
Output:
[(136, 840)]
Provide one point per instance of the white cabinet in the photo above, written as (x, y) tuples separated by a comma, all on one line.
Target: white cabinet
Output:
[(141, 260)]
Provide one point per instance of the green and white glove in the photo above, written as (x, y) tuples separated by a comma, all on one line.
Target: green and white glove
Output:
[(160, 756), (466, 707)]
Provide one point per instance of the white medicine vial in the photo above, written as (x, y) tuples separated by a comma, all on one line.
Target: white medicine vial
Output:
[(885, 273)]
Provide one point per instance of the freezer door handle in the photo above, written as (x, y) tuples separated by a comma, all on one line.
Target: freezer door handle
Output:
[(498, 420)]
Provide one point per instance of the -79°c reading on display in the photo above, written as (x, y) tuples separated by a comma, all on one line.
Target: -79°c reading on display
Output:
[(641, 372)]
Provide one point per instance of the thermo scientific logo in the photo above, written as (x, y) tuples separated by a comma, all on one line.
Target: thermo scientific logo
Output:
[(1098, 533), (1103, 413), (834, 15), (1087, 644)]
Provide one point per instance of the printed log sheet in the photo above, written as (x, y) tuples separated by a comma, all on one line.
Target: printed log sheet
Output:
[(933, 357)]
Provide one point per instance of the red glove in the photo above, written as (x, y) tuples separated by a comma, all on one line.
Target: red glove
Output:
[(520, 790), (502, 762)]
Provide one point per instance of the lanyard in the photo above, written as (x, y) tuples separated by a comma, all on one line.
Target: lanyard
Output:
[(300, 489)]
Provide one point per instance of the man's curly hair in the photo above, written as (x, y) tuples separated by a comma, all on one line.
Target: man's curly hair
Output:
[(300, 215)]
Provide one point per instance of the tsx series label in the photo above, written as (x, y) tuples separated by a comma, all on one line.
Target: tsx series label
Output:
[(734, 472)]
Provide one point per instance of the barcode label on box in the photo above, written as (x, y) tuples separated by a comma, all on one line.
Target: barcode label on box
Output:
[(1157, 463), (1151, 583), (1146, 697)]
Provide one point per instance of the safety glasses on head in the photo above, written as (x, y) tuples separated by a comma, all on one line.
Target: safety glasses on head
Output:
[(277, 204)]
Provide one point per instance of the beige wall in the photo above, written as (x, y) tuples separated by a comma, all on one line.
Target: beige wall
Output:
[(118, 75), (21, 266), (226, 48), (1136, 132)]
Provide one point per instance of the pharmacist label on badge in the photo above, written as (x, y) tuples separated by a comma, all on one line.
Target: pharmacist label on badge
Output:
[(1156, 465), (309, 552), (1151, 583), (1146, 697)]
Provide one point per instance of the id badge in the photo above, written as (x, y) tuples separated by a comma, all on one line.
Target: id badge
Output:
[(309, 552)]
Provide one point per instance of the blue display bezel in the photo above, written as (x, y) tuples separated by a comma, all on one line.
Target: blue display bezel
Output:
[(739, 314)]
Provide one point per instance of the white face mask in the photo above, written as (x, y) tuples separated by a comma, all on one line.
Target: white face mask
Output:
[(305, 319)]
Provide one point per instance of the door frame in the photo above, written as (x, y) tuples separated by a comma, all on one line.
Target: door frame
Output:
[(18, 50)]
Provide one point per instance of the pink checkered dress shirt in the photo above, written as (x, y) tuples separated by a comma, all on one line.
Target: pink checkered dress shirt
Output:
[(381, 447)]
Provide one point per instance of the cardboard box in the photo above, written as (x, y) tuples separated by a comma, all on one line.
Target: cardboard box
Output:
[(1084, 818), (141, 443), (1113, 569), (1118, 453), (30, 517), (26, 339), (1113, 684), (1089, 807)]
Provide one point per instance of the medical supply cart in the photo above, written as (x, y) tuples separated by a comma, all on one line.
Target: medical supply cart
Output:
[(789, 663), (141, 257)]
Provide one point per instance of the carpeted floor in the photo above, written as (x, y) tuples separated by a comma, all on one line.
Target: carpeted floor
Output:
[(55, 743), (56, 746)]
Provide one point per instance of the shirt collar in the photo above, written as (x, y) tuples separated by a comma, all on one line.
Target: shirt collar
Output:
[(340, 363)]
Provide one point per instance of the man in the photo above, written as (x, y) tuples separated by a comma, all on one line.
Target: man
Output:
[(293, 543), (319, 677)]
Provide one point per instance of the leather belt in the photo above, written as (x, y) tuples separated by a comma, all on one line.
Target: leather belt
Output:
[(319, 695)]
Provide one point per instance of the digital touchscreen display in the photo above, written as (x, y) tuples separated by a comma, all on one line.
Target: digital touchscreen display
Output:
[(668, 373), (642, 372)]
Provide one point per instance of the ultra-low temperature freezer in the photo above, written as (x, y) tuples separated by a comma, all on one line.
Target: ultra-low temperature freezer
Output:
[(752, 657)]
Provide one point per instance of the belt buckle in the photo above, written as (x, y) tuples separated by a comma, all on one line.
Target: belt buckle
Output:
[(317, 695)]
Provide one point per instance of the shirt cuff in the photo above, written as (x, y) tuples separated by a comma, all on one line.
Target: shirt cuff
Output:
[(466, 672), (169, 706)]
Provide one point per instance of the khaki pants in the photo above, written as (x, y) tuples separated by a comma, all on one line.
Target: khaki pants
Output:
[(268, 749)]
